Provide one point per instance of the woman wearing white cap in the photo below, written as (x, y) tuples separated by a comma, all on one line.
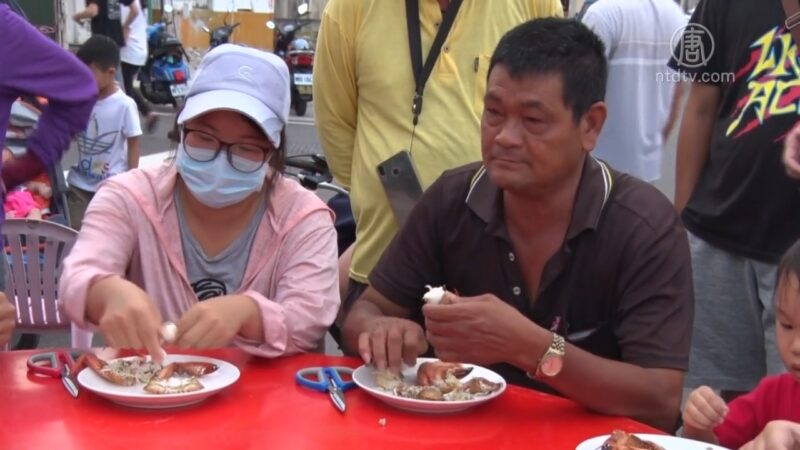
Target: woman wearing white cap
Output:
[(220, 242)]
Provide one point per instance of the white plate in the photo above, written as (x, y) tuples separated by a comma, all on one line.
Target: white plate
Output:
[(135, 396), (668, 442), (364, 377)]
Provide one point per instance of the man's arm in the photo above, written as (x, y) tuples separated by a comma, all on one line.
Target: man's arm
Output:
[(133, 11), (674, 109), (694, 141), (55, 74), (651, 396), (90, 12), (335, 90), (133, 152)]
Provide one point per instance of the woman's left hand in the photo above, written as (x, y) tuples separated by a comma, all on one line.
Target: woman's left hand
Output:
[(214, 322)]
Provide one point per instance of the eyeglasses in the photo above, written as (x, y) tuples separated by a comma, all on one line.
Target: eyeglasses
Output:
[(203, 147)]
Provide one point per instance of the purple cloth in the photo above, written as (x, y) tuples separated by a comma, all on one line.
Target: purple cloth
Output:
[(32, 64)]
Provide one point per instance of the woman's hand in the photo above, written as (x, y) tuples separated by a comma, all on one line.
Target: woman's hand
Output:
[(215, 322), (126, 315)]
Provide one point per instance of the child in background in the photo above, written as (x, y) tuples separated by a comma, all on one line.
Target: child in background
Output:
[(28, 201), (110, 144), (706, 417)]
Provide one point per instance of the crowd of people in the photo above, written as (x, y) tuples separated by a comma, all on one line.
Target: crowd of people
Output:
[(509, 158)]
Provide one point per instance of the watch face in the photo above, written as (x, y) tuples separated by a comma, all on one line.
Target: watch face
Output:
[(551, 366)]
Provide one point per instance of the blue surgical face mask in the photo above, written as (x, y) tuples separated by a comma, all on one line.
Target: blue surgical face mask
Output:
[(216, 183)]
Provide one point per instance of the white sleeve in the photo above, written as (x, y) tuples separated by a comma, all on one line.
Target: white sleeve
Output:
[(132, 126), (603, 22)]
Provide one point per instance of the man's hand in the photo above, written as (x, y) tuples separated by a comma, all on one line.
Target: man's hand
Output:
[(704, 410), (480, 330), (777, 435), (8, 318), (390, 341), (126, 31), (791, 152), (214, 322)]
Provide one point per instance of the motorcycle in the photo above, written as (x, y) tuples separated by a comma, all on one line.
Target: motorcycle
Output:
[(164, 79), (221, 34), (312, 172), (299, 58)]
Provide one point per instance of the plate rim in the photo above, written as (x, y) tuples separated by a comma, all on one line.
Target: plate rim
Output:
[(156, 397), (652, 436), (433, 403)]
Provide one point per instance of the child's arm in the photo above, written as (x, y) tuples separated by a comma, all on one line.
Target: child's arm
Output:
[(133, 152), (703, 412)]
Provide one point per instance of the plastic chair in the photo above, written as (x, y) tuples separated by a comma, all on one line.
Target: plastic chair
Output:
[(34, 252)]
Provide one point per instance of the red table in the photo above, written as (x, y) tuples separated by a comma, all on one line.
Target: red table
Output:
[(267, 409)]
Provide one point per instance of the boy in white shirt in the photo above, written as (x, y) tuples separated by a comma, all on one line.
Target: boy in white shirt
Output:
[(110, 144)]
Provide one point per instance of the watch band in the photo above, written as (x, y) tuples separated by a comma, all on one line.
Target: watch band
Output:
[(557, 348)]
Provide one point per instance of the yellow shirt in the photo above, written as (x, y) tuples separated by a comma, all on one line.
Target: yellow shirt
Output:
[(364, 86)]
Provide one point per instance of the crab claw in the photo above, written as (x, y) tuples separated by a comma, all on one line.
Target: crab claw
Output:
[(437, 372)]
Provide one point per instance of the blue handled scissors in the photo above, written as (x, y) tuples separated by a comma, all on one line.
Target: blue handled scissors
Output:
[(327, 379), (58, 364)]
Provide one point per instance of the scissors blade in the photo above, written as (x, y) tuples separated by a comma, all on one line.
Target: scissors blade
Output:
[(69, 383), (337, 396)]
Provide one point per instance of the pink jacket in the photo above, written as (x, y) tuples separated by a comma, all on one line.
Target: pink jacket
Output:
[(131, 230)]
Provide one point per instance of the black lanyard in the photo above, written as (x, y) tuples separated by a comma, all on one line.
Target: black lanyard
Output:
[(421, 73)]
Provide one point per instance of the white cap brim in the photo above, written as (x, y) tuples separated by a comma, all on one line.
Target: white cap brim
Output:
[(229, 100)]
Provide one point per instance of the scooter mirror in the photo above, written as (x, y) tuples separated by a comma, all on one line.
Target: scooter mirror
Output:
[(302, 9), (270, 25), (168, 9)]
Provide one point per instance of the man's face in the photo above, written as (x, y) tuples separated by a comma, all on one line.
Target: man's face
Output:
[(529, 138), (788, 323)]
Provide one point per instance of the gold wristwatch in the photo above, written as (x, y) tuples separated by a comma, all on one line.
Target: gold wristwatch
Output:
[(551, 363)]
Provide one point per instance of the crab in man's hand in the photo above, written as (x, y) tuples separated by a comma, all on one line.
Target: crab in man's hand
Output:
[(437, 381), (436, 295), (157, 379)]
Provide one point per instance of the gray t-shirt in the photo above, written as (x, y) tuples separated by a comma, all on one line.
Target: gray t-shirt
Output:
[(222, 274)]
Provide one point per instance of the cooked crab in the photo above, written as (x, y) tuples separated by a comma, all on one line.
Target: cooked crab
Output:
[(620, 440), (437, 381)]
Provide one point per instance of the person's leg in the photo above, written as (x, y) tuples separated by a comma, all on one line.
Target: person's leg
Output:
[(129, 72), (77, 202), (766, 275), (727, 351), (344, 271)]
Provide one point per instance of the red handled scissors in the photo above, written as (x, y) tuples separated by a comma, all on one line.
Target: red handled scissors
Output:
[(57, 364)]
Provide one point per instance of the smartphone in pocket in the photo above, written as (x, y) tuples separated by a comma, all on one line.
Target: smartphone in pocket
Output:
[(400, 183)]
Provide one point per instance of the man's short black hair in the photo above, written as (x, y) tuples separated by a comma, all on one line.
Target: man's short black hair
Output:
[(101, 51), (562, 47)]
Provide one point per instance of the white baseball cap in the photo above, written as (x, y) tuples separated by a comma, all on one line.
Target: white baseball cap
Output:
[(245, 80)]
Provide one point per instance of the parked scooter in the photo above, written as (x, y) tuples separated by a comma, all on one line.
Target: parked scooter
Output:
[(221, 34), (299, 58), (164, 79), (312, 172)]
